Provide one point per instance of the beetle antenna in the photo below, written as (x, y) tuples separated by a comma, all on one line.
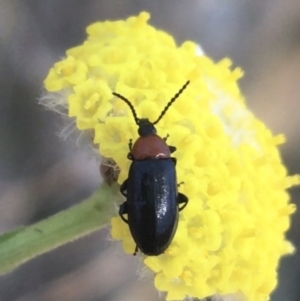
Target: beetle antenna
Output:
[(171, 101), (130, 106)]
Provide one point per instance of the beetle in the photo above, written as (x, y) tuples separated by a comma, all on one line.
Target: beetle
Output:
[(152, 198)]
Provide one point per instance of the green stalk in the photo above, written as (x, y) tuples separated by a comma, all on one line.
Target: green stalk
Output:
[(24, 243)]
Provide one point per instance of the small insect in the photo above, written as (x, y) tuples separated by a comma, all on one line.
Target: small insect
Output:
[(152, 198)]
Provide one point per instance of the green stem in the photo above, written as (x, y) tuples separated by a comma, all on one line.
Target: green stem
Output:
[(22, 244)]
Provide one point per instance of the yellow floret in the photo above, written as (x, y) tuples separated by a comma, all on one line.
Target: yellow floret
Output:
[(232, 233)]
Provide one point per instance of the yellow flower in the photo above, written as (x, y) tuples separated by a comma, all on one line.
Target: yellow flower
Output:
[(66, 73), (90, 103), (232, 233)]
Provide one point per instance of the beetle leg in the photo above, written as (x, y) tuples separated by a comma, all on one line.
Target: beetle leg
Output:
[(178, 185), (122, 211), (123, 188), (129, 156), (130, 144), (174, 160), (182, 199), (135, 250), (172, 149)]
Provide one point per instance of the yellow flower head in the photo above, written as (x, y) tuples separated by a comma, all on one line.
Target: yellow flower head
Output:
[(230, 237)]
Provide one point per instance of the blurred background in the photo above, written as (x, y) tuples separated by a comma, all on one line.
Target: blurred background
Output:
[(40, 174)]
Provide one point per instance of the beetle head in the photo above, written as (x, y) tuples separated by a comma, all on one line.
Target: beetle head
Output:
[(146, 127)]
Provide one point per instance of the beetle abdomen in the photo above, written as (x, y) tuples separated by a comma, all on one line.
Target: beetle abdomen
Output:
[(152, 205)]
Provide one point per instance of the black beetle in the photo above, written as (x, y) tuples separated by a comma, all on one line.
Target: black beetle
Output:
[(152, 199)]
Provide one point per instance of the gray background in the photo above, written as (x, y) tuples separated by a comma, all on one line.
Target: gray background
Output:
[(40, 174)]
